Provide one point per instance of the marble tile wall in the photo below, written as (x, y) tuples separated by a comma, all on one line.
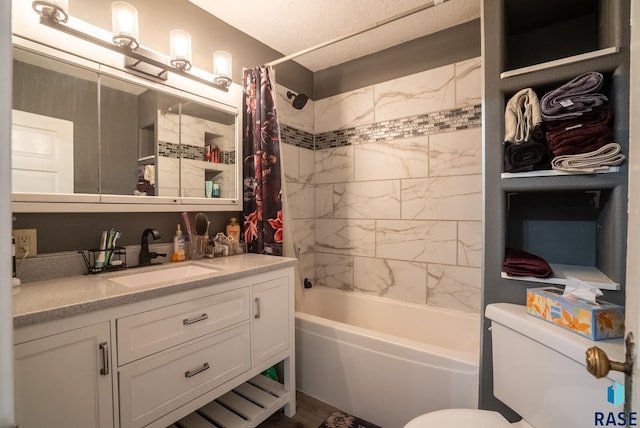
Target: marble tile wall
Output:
[(389, 202), (296, 131)]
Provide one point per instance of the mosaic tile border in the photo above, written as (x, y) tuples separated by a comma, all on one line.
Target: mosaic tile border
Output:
[(406, 127), (296, 137), (413, 126), (173, 150)]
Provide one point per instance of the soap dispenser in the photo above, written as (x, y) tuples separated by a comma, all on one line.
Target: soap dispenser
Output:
[(178, 246)]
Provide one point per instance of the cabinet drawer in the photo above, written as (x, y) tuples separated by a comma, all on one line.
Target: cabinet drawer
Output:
[(149, 332), (156, 385)]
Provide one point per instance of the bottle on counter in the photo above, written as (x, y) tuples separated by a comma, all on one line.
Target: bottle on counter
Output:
[(233, 229), (179, 254)]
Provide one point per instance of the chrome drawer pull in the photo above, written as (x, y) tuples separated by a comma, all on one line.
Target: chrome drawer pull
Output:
[(257, 315), (104, 347), (190, 373), (188, 321)]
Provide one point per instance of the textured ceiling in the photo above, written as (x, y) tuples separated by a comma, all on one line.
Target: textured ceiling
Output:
[(292, 25)]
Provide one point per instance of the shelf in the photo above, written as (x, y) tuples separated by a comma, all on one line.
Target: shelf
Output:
[(555, 173), (588, 274), (246, 406), (560, 62)]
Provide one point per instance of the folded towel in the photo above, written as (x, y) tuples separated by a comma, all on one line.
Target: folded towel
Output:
[(584, 134), (598, 160), (528, 156), (584, 139), (602, 114), (521, 263), (574, 97), (522, 118)]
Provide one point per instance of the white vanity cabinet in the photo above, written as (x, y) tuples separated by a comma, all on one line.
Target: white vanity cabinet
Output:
[(64, 380), (192, 355)]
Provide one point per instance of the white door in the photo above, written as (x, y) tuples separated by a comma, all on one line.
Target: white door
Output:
[(632, 319), (41, 153)]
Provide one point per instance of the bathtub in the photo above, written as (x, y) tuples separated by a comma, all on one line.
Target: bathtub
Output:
[(383, 360)]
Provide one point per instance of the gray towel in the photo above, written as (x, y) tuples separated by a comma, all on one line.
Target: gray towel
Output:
[(574, 97), (522, 118)]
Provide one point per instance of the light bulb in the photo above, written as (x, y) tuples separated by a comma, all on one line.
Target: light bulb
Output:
[(180, 49), (124, 19), (222, 68)]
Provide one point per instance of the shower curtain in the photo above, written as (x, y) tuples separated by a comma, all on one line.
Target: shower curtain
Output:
[(262, 189)]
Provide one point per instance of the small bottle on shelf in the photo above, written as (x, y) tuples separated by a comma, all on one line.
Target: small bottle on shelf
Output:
[(179, 254), (216, 154)]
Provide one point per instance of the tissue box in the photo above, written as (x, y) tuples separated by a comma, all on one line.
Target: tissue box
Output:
[(595, 321)]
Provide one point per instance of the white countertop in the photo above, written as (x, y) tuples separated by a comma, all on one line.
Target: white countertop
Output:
[(44, 301)]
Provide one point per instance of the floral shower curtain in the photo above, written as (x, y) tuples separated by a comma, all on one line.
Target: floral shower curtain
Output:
[(262, 193)]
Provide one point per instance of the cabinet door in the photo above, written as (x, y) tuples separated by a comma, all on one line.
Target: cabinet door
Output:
[(64, 380), (270, 318)]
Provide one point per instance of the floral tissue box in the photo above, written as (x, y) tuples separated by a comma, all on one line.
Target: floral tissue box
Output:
[(598, 321)]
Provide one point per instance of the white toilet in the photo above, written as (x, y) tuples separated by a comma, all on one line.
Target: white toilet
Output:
[(538, 371)]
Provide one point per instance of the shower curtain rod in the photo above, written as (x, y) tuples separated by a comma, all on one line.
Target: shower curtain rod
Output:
[(426, 6)]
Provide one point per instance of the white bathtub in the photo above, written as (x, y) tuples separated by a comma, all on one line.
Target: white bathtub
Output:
[(383, 360)]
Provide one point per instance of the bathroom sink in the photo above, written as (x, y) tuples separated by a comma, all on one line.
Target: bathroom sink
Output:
[(171, 274)]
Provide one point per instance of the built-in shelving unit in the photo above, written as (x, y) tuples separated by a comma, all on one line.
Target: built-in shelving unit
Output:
[(575, 221)]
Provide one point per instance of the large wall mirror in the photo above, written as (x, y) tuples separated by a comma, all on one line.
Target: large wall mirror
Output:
[(88, 133)]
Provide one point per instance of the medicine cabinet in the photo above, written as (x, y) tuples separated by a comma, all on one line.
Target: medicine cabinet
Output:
[(88, 137)]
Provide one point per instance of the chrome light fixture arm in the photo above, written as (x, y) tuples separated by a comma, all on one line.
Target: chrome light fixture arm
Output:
[(137, 58)]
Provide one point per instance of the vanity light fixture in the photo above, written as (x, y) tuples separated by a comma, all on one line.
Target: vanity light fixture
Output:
[(54, 9), (124, 21), (180, 49), (222, 68), (54, 14)]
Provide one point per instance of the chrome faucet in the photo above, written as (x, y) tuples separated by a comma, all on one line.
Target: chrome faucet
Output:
[(145, 254)]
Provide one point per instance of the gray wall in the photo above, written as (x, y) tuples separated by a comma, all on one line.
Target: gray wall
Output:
[(74, 231), (434, 50), (208, 34)]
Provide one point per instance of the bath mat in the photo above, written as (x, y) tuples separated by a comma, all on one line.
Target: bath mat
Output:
[(345, 420)]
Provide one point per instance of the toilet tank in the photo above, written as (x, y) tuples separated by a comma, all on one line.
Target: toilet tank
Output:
[(539, 370)]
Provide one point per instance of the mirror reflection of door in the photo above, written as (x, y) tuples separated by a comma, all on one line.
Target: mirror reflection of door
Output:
[(41, 153), (55, 125)]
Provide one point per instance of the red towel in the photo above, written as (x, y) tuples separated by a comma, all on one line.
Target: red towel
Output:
[(583, 134), (521, 263)]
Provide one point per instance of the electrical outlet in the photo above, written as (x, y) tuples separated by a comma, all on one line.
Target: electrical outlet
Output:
[(26, 242)]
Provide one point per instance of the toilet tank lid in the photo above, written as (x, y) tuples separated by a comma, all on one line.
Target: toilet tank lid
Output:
[(570, 344)]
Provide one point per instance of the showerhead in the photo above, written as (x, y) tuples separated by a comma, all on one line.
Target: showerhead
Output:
[(299, 100)]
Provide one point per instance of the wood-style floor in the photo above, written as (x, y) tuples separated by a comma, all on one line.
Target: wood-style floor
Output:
[(310, 413)]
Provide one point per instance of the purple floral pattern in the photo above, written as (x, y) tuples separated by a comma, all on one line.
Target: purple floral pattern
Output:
[(262, 194)]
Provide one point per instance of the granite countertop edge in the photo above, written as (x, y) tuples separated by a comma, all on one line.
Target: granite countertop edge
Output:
[(38, 316)]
